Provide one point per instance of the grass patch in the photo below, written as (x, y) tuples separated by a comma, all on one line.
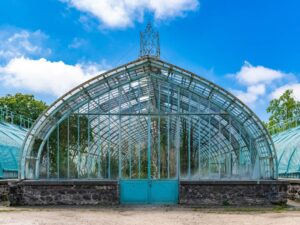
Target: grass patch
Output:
[(280, 208), (250, 209)]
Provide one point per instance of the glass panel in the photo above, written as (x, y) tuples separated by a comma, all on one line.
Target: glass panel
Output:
[(174, 148), (83, 146), (163, 147), (134, 147), (53, 155), (194, 136), (184, 156), (105, 146), (114, 146), (63, 149), (74, 143), (44, 163)]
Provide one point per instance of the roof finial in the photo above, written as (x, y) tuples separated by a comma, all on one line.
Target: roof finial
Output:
[(149, 42)]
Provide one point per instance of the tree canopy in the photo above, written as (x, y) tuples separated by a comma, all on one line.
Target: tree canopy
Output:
[(283, 108), (23, 104)]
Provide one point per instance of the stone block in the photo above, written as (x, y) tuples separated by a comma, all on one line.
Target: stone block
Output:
[(235, 193)]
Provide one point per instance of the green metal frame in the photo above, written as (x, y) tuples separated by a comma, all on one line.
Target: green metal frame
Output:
[(11, 140), (222, 134), (8, 116), (286, 138)]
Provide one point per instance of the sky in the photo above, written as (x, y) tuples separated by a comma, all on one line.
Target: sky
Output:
[(250, 48)]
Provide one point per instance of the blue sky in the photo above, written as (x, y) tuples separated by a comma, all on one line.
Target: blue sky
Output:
[(249, 47)]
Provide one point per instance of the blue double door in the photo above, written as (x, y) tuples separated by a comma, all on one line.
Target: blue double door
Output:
[(149, 191), (149, 159)]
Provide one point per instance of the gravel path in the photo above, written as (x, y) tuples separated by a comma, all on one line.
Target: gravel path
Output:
[(145, 216)]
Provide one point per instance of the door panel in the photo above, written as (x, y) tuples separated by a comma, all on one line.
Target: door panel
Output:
[(134, 191), (149, 191), (164, 192)]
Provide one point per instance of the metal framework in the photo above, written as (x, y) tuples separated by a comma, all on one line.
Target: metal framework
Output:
[(13, 129), (14, 118), (149, 42), (148, 119), (286, 137), (11, 140)]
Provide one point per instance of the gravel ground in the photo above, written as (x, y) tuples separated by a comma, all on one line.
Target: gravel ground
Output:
[(147, 216)]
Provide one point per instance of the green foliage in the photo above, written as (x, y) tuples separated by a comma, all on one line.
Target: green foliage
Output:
[(283, 109), (23, 104), (65, 138)]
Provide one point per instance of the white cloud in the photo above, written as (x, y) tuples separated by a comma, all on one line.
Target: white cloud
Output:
[(43, 76), (257, 89), (251, 75), (257, 82), (252, 94), (23, 66), (123, 13), (19, 43), (279, 91)]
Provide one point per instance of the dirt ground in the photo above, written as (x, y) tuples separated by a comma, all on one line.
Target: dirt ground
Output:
[(148, 215)]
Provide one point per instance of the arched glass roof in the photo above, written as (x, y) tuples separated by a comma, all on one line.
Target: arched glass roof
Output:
[(287, 145), (107, 118), (11, 140)]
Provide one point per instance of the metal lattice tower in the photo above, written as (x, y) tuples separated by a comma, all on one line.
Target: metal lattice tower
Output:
[(149, 42)]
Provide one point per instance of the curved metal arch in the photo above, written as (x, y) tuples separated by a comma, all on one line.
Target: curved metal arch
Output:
[(290, 159), (124, 73), (11, 139), (132, 106), (234, 138), (14, 135), (126, 100), (256, 121), (288, 152)]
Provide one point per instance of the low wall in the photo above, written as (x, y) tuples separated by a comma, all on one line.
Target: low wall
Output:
[(200, 193), (293, 191), (64, 193), (235, 193), (4, 191)]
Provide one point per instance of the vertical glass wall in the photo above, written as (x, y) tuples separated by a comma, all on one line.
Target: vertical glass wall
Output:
[(145, 146)]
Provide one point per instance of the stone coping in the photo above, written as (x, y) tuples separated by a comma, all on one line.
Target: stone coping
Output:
[(67, 182), (107, 182), (233, 182), (6, 181), (291, 181), (59, 182)]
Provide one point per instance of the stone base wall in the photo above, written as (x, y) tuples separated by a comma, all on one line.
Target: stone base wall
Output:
[(4, 191), (233, 193), (293, 192), (200, 193), (64, 193)]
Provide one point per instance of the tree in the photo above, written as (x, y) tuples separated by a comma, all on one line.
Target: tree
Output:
[(283, 108), (23, 104)]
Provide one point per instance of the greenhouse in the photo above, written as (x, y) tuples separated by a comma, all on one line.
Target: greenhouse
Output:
[(148, 119), (286, 138), (12, 137), (148, 132)]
